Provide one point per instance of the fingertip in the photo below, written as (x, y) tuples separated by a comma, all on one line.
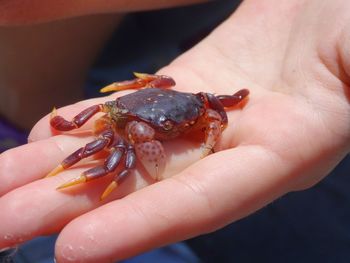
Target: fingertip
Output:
[(85, 239), (41, 130)]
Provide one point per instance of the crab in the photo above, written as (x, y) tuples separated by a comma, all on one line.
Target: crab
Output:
[(133, 127)]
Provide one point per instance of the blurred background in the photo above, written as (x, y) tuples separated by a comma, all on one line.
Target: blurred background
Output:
[(307, 226)]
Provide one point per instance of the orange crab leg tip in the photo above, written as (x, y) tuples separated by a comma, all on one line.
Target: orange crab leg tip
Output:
[(78, 180), (206, 151), (55, 171), (53, 113), (141, 75), (109, 88), (108, 190)]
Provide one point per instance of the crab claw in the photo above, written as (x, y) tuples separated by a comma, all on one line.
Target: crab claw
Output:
[(152, 156)]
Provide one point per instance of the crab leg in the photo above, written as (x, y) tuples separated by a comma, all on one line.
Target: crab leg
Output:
[(59, 123), (218, 103), (104, 140), (216, 116), (142, 80), (232, 100), (130, 163), (212, 131), (109, 166)]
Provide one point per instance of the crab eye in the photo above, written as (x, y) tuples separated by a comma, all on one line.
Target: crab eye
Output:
[(168, 125)]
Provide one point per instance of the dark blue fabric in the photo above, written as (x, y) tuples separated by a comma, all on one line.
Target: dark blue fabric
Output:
[(41, 250), (307, 226)]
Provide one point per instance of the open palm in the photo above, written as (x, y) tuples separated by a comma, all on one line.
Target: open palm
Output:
[(292, 132)]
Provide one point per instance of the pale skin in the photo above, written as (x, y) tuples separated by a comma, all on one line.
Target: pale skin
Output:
[(294, 58), (55, 76)]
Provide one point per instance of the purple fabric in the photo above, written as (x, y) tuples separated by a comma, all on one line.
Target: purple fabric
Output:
[(10, 136)]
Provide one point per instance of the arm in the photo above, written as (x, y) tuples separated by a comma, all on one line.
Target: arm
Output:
[(13, 12)]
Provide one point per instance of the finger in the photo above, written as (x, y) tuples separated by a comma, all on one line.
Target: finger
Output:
[(38, 208), (33, 161), (211, 193)]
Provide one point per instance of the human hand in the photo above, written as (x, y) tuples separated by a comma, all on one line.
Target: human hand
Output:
[(292, 132)]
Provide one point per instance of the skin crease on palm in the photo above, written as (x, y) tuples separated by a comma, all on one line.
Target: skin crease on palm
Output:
[(292, 55)]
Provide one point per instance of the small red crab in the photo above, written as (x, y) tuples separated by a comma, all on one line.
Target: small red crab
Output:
[(135, 124)]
